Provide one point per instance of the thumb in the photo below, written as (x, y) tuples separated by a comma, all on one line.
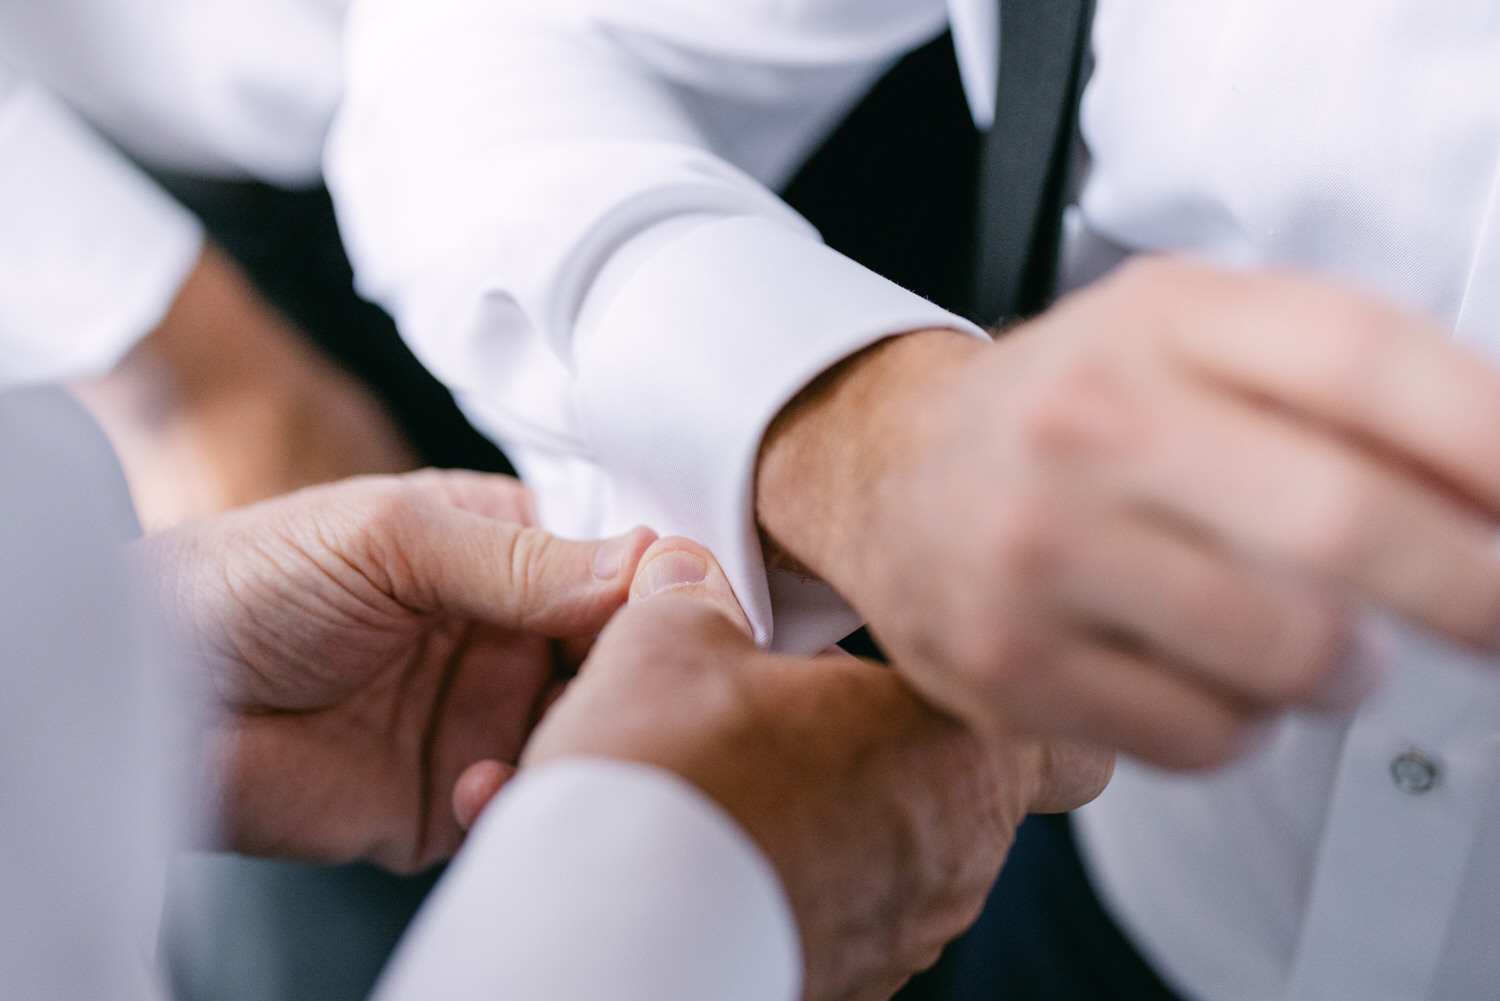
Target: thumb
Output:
[(524, 578), (682, 567), (1070, 775)]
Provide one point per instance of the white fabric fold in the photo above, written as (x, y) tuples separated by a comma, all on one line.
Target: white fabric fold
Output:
[(92, 253), (593, 878)]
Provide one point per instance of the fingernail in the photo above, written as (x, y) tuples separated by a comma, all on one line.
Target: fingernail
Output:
[(610, 556), (673, 568), (1364, 668)]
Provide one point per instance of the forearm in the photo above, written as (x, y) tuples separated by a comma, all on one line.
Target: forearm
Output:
[(225, 403)]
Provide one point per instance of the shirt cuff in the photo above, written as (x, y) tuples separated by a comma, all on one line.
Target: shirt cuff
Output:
[(92, 251), (592, 878), (689, 363)]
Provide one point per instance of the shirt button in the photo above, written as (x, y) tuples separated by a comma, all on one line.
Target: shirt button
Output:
[(1414, 772)]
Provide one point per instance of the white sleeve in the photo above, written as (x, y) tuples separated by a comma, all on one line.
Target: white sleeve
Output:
[(92, 719), (565, 205), (228, 88), (589, 879), (91, 252)]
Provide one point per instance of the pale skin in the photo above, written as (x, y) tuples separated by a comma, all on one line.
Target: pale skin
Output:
[(226, 403), (1147, 519)]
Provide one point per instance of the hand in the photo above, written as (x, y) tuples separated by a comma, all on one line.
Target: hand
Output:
[(886, 821), (367, 642), (1145, 520), (225, 404)]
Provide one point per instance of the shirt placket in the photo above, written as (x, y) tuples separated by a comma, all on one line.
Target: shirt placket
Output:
[(1479, 316), (1413, 787)]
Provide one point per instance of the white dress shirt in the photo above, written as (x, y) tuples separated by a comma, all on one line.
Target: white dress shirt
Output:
[(585, 879), (589, 879), (85, 719), (1361, 141), (564, 203), (91, 252)]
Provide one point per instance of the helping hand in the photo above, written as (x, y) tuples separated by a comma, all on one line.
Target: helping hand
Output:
[(368, 641), (886, 820)]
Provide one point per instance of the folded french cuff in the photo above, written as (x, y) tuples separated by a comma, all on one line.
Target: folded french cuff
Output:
[(691, 361)]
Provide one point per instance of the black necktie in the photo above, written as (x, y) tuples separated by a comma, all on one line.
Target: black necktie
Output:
[(1026, 157)]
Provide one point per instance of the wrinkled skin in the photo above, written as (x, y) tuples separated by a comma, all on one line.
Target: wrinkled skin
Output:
[(368, 641)]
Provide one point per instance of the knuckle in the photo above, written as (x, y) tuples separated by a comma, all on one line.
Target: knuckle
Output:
[(385, 536), (528, 556), (1203, 601), (1306, 653), (390, 505), (1077, 410), (1281, 650), (994, 660), (1345, 349), (1336, 513), (1026, 539), (1212, 744)]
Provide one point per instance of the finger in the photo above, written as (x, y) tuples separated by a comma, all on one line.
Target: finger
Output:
[(503, 498), (518, 577), (1265, 486), (1108, 696), (682, 567), (1266, 637), (1069, 776), (1370, 369), (478, 784)]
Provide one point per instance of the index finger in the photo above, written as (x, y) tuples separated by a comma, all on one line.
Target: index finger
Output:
[(1366, 369)]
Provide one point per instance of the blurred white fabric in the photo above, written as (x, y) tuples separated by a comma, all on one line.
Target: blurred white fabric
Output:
[(88, 716), (590, 879)]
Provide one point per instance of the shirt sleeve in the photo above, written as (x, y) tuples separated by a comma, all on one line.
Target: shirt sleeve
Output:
[(567, 206), (590, 878), (230, 89), (92, 253), (94, 717)]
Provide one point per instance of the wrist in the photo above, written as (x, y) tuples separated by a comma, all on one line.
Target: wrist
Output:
[(832, 454)]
